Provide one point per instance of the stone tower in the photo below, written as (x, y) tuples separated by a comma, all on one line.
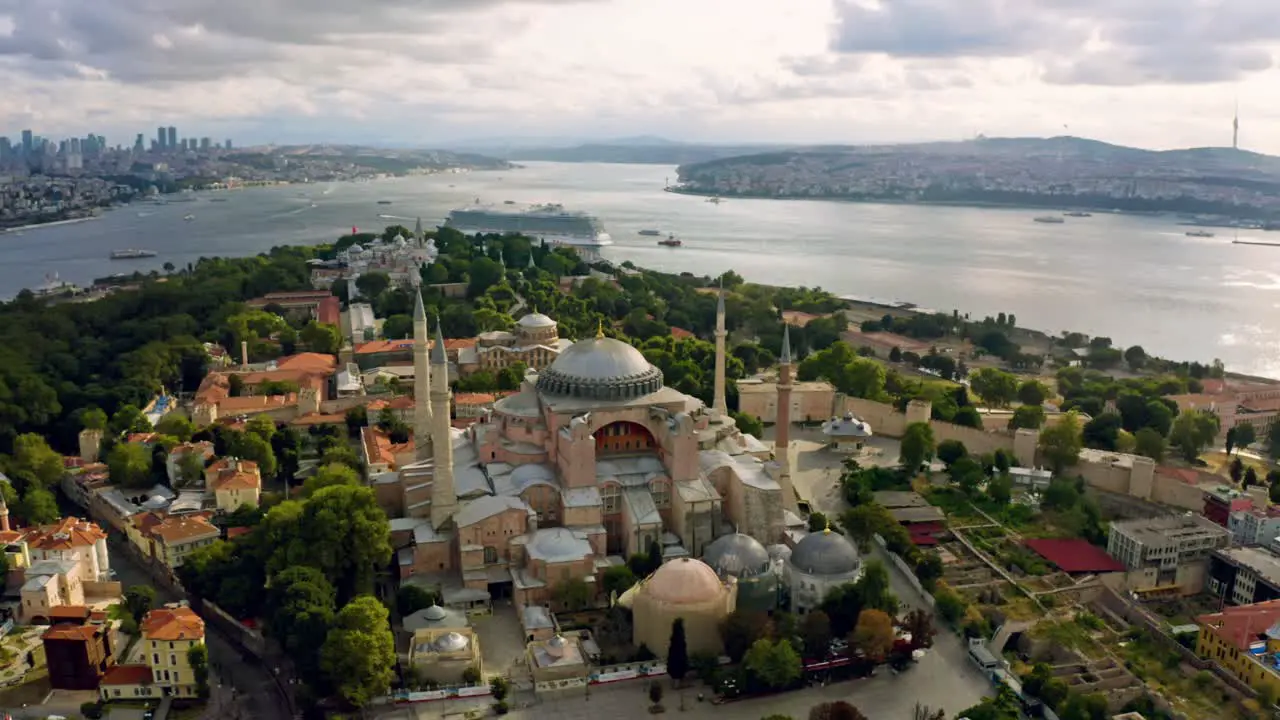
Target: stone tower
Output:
[(782, 427), (718, 404), (444, 497), (4, 516), (421, 383)]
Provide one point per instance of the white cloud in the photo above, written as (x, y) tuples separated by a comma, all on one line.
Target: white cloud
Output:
[(1147, 72)]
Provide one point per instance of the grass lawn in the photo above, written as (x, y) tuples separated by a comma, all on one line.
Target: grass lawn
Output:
[(1219, 463), (32, 691)]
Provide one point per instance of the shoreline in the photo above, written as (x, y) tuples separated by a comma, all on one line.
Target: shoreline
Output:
[(55, 223)]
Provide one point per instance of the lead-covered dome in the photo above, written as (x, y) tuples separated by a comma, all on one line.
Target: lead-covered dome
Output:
[(683, 582), (738, 555), (825, 553), (535, 320), (601, 368)]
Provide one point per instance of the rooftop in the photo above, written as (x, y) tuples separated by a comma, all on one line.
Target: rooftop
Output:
[(127, 675), (167, 624), (1162, 530), (176, 530), (1261, 561), (1241, 625), (1074, 555), (66, 534)]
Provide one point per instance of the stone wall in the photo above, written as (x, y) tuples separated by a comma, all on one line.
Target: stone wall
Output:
[(887, 421)]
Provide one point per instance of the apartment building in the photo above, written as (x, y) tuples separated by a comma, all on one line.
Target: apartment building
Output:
[(1244, 575), (1246, 642), (1166, 554), (168, 635)]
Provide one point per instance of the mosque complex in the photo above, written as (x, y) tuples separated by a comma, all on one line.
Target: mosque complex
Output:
[(591, 461)]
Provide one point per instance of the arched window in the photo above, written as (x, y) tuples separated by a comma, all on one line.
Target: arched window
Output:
[(661, 491), (611, 495), (490, 554)]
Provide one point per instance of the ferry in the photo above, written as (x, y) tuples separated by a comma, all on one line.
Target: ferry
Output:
[(189, 218), (550, 222), (717, 200), (651, 233), (54, 285), (1077, 213), (384, 202), (671, 241), (1199, 233), (1050, 219), (132, 254)]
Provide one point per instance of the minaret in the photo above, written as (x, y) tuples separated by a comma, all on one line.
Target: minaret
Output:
[(421, 382), (718, 405), (532, 264), (444, 498), (4, 516), (1235, 128), (782, 424), (417, 231)]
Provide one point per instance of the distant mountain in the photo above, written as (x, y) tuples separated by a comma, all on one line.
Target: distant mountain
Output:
[(1043, 172), (392, 160), (650, 150)]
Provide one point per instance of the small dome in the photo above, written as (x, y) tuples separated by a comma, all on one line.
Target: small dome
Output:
[(825, 553), (556, 645), (531, 474), (435, 613), (536, 320), (356, 249), (601, 368), (737, 555), (451, 642), (683, 582)]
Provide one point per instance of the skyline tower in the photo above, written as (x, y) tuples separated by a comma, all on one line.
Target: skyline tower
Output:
[(444, 497), (421, 382)]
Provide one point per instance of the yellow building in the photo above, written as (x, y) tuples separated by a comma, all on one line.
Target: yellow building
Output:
[(1245, 640), (169, 539), (234, 482), (687, 589), (168, 634)]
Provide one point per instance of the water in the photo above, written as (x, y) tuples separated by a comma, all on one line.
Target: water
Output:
[(1136, 279)]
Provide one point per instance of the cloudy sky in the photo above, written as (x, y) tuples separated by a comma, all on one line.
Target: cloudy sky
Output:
[(1155, 73)]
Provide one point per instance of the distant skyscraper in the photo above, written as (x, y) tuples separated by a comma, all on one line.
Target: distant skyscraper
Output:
[(205, 143), (173, 138), (28, 143), (228, 144), (161, 137), (1235, 128), (138, 145)]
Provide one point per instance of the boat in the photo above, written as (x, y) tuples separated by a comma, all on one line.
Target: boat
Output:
[(145, 214), (384, 202), (1255, 242), (715, 200), (1050, 219), (1077, 213), (671, 241), (549, 222), (132, 254), (1199, 233), (651, 233), (189, 218), (54, 285), (217, 199)]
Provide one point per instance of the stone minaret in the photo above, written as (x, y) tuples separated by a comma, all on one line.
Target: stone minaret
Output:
[(444, 497), (4, 519), (718, 404), (421, 383), (782, 427), (417, 232)]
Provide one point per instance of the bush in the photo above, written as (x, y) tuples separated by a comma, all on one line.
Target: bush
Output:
[(91, 710), (501, 707)]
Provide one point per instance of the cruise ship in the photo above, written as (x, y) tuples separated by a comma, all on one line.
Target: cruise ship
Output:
[(550, 222), (132, 254)]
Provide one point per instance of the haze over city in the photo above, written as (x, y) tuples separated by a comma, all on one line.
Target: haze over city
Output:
[(1145, 73)]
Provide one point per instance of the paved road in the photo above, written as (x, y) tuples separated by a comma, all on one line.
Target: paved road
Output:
[(255, 695)]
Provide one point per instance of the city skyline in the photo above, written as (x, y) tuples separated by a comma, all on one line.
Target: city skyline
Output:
[(1138, 73)]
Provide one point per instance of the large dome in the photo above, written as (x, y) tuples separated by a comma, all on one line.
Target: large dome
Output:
[(825, 553), (536, 320), (739, 555), (683, 582), (601, 368)]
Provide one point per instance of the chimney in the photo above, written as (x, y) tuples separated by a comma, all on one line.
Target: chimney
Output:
[(244, 354)]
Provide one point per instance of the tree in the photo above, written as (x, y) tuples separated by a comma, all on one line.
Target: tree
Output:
[(356, 418), (949, 603), (1061, 442), (129, 464), (617, 579), (39, 506), (359, 654), (863, 522), (748, 424), (398, 327), (815, 633), (1136, 357), (1032, 392), (1102, 432), (774, 665), (1246, 435), (1230, 439), (1250, 477), (198, 658), (1236, 470), (139, 600), (1000, 490), (35, 461), (1001, 461), (1030, 417), (299, 611), (835, 710), (916, 446), (677, 652), (740, 630), (412, 598), (190, 468), (950, 451), (895, 354), (573, 594), (93, 419), (968, 416), (968, 474), (1273, 441), (1193, 430), (923, 712), (321, 337), (1150, 443), (873, 634), (1274, 490), (341, 531), (328, 476), (996, 387), (176, 425), (372, 284), (129, 419), (920, 624)]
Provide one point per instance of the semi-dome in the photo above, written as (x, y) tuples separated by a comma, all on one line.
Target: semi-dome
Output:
[(601, 368), (451, 642), (824, 553), (435, 613), (683, 582), (536, 320), (738, 555)]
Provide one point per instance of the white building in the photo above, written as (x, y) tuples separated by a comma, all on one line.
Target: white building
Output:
[(846, 434)]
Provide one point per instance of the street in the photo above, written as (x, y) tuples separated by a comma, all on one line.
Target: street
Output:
[(255, 694)]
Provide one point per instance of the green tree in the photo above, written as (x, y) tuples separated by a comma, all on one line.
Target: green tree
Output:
[(815, 634), (655, 696), (1136, 357), (617, 579), (359, 654), (1236, 470), (916, 446), (139, 600), (677, 652), (371, 285), (1102, 432), (950, 451), (1061, 442), (321, 337), (93, 419), (968, 416), (1030, 417), (191, 468), (1250, 477), (1193, 431), (328, 476), (1150, 443), (129, 464), (198, 658), (398, 327), (996, 387), (412, 598), (748, 423), (1273, 441), (774, 665), (1000, 490), (252, 446), (299, 611), (39, 506), (176, 425), (129, 419), (1246, 435), (34, 461), (573, 594), (356, 418), (1032, 392), (740, 630), (341, 531)]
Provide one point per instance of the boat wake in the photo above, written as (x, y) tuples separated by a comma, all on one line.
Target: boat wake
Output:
[(396, 217)]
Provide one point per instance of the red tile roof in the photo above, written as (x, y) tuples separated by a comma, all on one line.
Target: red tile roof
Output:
[(235, 532), (381, 346), (77, 633), (680, 333), (69, 612), (473, 399), (180, 623), (65, 534), (1241, 625), (1075, 555), (330, 311), (127, 675)]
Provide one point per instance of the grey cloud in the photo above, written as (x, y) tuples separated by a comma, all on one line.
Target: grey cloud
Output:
[(1095, 42)]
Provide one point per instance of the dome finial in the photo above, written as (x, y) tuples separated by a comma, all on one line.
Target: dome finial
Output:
[(827, 530), (600, 329)]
